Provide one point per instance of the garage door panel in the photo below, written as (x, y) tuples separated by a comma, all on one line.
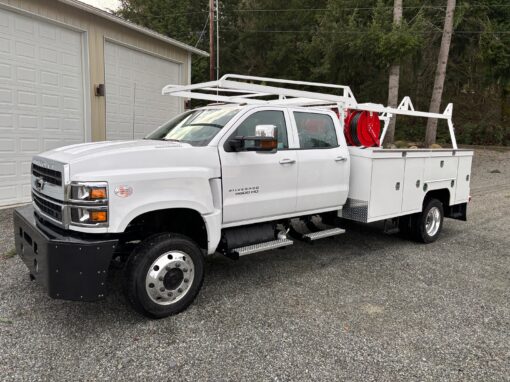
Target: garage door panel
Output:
[(8, 194), (24, 25), (5, 46), (28, 122), (49, 79), (41, 96), (5, 71), (134, 104), (5, 96), (7, 169), (48, 55), (26, 74)]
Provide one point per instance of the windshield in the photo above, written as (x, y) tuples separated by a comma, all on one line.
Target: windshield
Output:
[(196, 127)]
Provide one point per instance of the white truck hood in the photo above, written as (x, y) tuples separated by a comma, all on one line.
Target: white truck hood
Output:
[(90, 161), (94, 150)]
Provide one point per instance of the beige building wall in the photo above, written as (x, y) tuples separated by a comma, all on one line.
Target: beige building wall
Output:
[(98, 29)]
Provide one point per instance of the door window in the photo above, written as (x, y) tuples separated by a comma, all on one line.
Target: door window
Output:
[(316, 131), (266, 117)]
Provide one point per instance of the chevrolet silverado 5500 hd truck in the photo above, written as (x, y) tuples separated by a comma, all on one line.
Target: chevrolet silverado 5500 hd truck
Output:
[(263, 166)]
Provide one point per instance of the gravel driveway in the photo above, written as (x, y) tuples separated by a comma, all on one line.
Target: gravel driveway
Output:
[(359, 307)]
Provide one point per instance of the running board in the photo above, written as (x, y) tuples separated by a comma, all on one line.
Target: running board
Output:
[(312, 236), (260, 247)]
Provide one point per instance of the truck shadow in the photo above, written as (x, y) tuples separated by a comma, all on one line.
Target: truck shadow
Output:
[(365, 246)]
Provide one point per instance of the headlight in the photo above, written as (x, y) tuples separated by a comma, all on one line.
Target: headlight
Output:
[(93, 191), (89, 216), (88, 203)]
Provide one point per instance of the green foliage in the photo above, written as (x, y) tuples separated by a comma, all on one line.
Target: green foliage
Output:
[(354, 42), (495, 44), (483, 134), (10, 253)]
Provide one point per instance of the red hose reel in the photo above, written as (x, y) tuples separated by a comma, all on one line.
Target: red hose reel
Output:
[(362, 128)]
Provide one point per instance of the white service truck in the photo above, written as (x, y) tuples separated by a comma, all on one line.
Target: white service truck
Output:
[(264, 166)]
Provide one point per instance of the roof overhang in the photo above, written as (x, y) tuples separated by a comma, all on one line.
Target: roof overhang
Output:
[(118, 20)]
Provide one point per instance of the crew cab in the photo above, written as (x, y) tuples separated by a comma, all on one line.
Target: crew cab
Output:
[(244, 176)]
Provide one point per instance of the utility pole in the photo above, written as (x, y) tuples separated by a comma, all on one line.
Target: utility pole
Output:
[(211, 39)]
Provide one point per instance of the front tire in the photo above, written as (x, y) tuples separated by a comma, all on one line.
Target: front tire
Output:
[(163, 275), (427, 225)]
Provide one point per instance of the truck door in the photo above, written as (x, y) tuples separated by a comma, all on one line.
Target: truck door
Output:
[(323, 162), (259, 185)]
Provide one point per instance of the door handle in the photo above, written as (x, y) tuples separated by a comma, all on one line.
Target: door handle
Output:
[(340, 159), (287, 161)]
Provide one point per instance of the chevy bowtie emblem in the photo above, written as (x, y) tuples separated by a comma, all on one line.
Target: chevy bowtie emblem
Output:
[(39, 183)]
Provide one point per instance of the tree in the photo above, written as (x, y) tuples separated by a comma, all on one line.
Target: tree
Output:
[(495, 51), (393, 79), (358, 43), (437, 92)]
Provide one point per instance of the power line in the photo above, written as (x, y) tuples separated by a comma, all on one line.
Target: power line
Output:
[(369, 8), (353, 32), (203, 31), (261, 10)]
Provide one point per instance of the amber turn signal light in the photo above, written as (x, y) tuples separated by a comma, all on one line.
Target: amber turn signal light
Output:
[(98, 216), (269, 144), (98, 193)]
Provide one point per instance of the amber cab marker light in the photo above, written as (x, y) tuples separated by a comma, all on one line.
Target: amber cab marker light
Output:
[(98, 193), (98, 216), (268, 144)]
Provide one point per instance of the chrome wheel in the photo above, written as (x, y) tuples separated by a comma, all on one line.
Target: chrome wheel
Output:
[(433, 221), (169, 277)]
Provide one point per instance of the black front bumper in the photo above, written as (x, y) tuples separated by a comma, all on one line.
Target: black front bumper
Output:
[(68, 265)]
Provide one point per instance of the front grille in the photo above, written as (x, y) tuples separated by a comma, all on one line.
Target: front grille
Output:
[(48, 175), (50, 209)]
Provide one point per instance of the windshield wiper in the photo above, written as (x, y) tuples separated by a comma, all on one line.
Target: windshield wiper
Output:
[(205, 124)]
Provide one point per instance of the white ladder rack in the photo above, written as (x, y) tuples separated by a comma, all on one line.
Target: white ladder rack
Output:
[(252, 90)]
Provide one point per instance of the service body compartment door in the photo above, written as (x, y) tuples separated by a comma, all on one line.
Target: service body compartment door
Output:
[(440, 167), (413, 184), (463, 179), (387, 187)]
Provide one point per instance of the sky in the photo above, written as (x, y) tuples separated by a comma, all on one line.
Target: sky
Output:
[(103, 4)]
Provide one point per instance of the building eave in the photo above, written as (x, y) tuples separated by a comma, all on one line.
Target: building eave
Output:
[(118, 20)]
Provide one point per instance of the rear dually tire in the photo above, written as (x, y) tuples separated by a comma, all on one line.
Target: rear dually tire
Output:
[(427, 225)]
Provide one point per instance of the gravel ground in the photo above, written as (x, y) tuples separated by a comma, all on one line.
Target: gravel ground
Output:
[(359, 307)]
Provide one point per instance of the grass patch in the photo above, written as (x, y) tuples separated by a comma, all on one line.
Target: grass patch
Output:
[(4, 320), (10, 253)]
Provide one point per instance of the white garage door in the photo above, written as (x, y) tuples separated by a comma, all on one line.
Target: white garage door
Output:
[(133, 81), (41, 96)]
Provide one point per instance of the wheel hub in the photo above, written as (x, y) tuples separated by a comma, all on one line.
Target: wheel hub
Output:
[(173, 278), (169, 277), (433, 221)]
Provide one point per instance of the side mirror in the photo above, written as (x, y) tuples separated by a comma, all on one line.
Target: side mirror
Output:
[(265, 140), (266, 131)]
